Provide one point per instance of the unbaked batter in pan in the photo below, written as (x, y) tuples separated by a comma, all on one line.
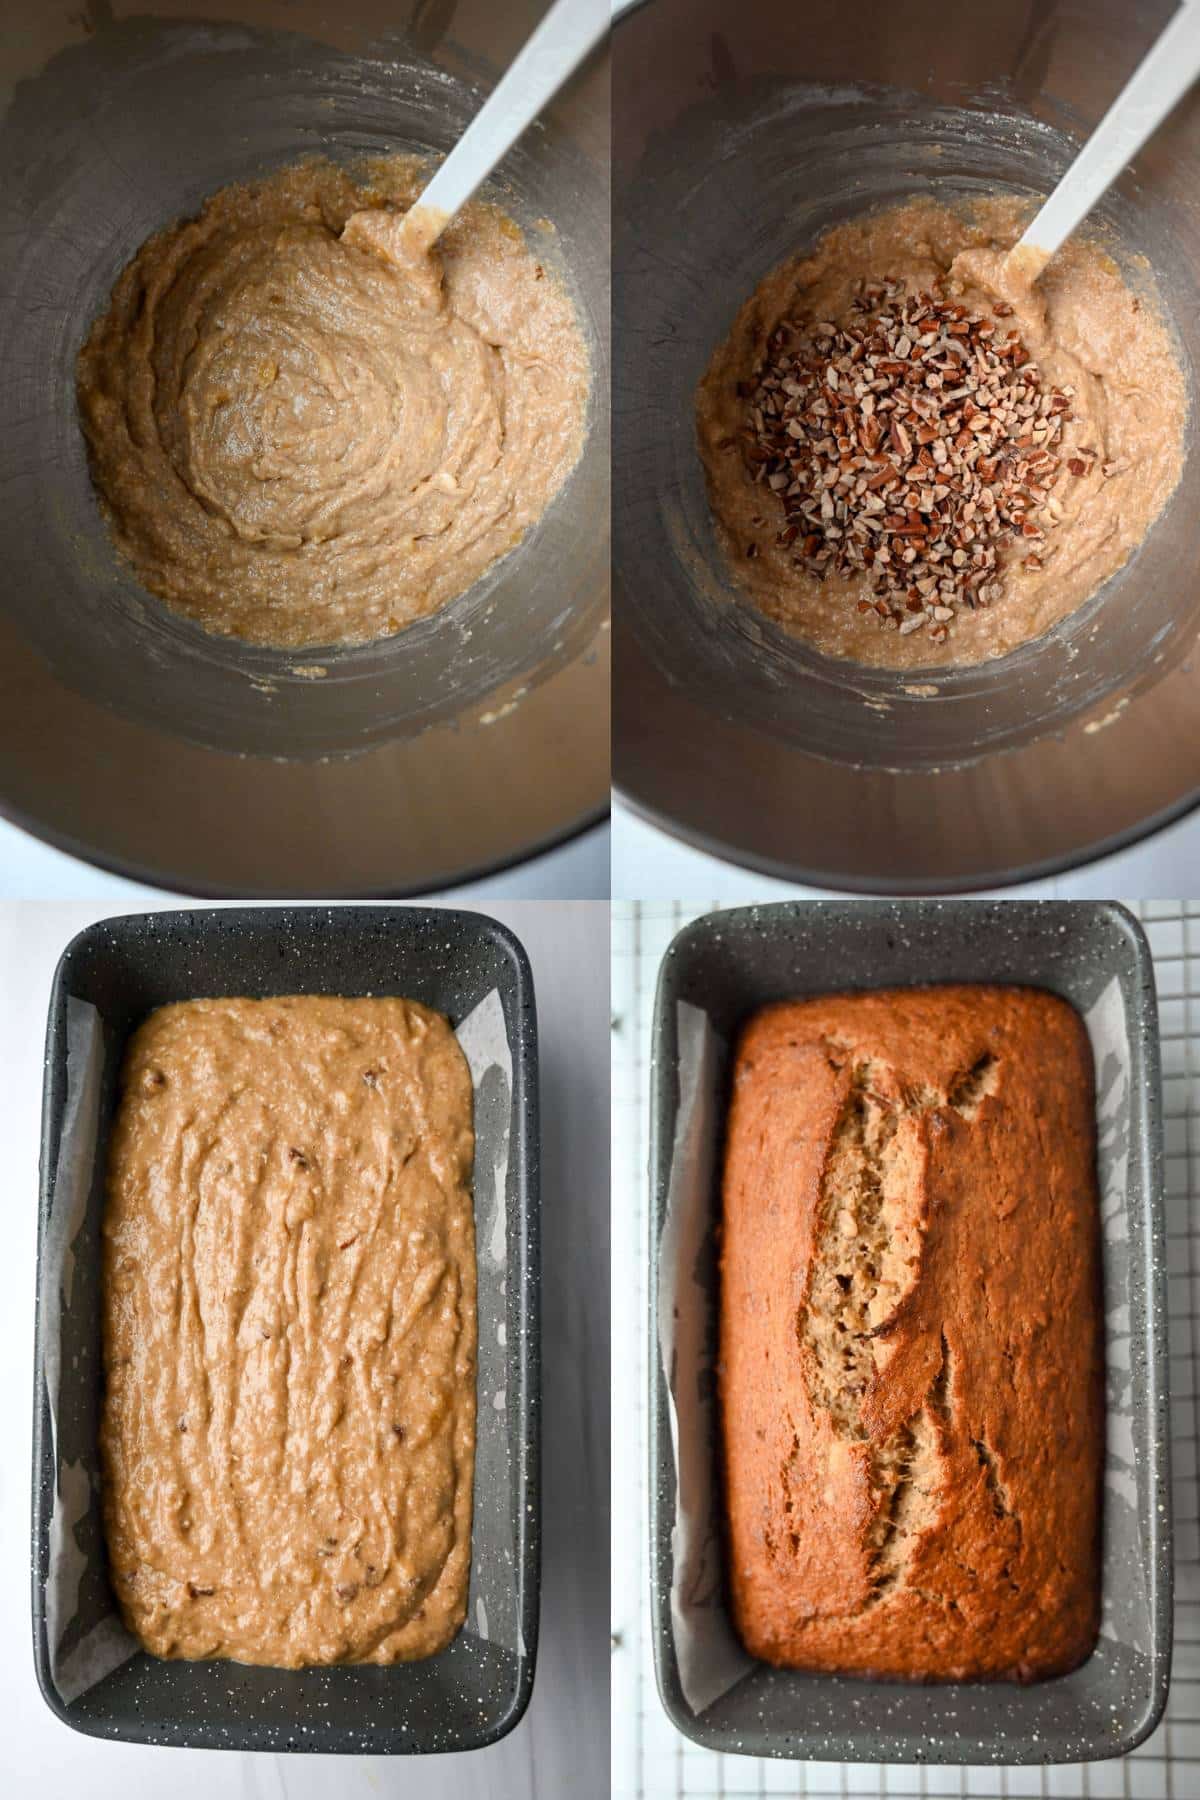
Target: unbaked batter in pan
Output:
[(289, 1332)]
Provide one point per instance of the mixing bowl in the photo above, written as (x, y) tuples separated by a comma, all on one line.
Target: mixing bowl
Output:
[(739, 134), (129, 735)]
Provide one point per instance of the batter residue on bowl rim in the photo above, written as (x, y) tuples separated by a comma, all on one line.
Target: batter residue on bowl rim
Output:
[(302, 435), (1087, 456)]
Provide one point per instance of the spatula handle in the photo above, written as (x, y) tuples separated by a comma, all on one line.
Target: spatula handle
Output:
[(569, 30), (1160, 82)]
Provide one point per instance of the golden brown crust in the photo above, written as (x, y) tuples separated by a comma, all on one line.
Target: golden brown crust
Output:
[(911, 1366), (289, 1332)]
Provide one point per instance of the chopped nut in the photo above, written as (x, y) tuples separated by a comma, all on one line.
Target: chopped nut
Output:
[(911, 445)]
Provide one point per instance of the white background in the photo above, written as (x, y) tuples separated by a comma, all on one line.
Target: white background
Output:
[(564, 1736), (29, 868), (649, 864)]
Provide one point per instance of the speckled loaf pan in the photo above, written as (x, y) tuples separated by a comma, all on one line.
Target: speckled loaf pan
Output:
[(729, 964), (476, 1689)]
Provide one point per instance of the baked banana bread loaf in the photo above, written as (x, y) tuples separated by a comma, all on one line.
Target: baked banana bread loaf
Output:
[(911, 1364)]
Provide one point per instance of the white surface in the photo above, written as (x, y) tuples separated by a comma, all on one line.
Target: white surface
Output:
[(561, 41), (1157, 85), (31, 870), (561, 1746), (651, 1761), (649, 864)]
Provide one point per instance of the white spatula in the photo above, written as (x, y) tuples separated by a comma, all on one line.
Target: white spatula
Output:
[(1159, 83), (569, 30)]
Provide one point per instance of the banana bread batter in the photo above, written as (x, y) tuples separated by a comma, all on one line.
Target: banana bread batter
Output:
[(1103, 351), (289, 1332), (303, 436)]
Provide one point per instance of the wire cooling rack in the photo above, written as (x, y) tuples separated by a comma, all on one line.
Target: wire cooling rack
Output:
[(650, 1760)]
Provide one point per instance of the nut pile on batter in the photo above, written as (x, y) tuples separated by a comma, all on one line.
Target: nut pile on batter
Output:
[(916, 460), (917, 442)]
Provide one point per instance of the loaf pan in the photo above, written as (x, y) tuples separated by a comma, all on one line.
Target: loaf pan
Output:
[(475, 1690), (729, 964)]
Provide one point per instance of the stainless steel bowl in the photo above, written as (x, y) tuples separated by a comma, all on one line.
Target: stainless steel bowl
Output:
[(739, 133), (130, 736)]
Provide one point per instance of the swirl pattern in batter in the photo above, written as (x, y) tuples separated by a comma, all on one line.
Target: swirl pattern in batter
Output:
[(302, 437)]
